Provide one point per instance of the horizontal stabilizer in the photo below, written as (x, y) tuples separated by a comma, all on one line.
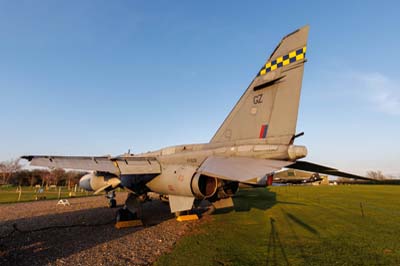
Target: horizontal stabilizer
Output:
[(240, 169), (312, 167)]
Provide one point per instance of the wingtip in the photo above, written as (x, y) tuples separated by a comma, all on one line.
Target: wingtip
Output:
[(27, 157)]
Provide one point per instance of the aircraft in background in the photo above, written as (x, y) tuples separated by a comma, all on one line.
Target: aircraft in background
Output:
[(297, 177), (256, 138)]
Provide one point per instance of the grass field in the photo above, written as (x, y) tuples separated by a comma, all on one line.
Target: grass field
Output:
[(11, 194), (299, 225)]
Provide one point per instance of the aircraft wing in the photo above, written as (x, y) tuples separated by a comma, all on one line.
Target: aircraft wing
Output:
[(99, 163), (312, 167), (116, 165), (137, 165), (241, 169)]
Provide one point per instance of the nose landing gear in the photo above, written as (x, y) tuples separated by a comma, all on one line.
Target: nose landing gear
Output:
[(112, 203)]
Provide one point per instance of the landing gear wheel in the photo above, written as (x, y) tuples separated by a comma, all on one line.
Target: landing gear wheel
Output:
[(125, 215), (210, 210), (112, 203)]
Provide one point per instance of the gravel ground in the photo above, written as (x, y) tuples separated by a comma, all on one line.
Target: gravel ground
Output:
[(84, 233)]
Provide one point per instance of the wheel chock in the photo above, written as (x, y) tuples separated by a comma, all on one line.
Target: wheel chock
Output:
[(190, 217), (124, 224)]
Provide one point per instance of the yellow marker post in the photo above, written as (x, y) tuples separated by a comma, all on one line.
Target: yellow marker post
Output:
[(19, 193), (190, 217), (124, 224)]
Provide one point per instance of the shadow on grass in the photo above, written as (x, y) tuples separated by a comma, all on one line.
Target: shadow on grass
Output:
[(301, 223), (275, 246), (255, 198)]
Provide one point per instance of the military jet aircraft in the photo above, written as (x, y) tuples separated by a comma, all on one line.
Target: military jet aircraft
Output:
[(297, 177), (255, 140)]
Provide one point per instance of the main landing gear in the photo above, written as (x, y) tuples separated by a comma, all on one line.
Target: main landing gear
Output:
[(132, 208)]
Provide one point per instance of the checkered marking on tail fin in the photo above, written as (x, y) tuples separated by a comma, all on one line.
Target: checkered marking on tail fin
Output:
[(285, 60)]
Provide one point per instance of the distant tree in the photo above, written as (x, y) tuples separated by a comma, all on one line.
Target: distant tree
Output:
[(56, 175), (46, 179), (72, 178), (38, 176), (377, 175), (341, 179), (393, 176), (21, 178), (33, 180), (8, 168)]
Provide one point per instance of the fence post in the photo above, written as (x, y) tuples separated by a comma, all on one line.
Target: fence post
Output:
[(362, 209), (19, 193)]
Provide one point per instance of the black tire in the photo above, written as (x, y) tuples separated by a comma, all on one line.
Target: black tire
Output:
[(112, 203), (125, 215)]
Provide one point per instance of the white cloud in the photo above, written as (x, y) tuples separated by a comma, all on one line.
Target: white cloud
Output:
[(381, 91)]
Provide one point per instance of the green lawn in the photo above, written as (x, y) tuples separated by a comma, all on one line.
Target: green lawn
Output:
[(10, 194), (299, 225)]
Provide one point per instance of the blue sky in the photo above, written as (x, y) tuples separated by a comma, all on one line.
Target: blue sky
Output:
[(102, 77)]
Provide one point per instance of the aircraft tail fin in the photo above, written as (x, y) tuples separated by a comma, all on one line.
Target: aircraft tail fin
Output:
[(268, 108)]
